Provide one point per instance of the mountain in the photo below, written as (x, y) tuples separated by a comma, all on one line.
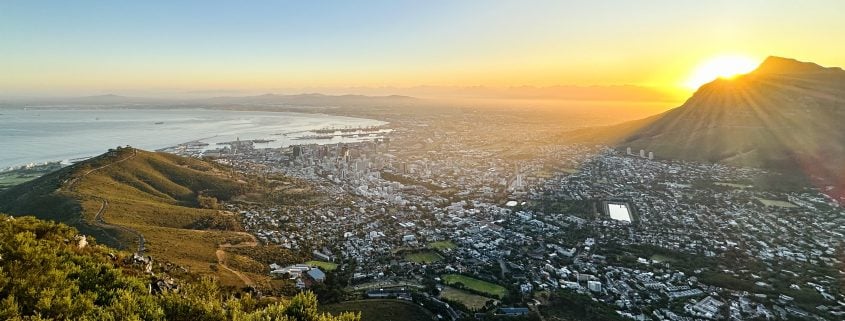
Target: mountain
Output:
[(625, 93), (98, 100), (160, 204), (785, 115), (320, 100), (260, 102)]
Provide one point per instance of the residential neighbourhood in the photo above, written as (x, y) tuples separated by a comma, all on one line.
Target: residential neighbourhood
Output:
[(646, 236)]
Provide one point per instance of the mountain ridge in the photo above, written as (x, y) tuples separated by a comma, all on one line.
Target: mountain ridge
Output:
[(783, 65), (128, 197), (311, 99), (784, 115), (304, 99)]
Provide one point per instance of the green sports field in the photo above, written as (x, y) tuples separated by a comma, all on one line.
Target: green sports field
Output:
[(442, 245), (326, 266), (477, 285)]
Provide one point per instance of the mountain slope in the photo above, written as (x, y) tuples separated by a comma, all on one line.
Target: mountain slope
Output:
[(786, 115), (48, 272), (128, 198)]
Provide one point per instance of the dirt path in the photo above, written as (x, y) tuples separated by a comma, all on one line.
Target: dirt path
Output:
[(98, 218), (220, 253), (72, 183), (221, 261), (221, 257)]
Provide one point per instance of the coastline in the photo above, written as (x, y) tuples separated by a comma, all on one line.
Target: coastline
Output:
[(193, 124)]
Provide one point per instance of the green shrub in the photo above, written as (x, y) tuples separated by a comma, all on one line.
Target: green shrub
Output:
[(45, 275)]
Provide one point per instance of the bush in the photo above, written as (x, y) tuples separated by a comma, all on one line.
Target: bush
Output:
[(209, 202), (44, 275)]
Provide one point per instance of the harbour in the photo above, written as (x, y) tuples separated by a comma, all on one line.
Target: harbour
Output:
[(32, 135)]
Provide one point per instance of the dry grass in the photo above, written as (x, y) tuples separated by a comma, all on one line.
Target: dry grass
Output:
[(156, 194)]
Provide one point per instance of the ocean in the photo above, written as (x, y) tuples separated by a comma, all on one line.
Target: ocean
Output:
[(38, 135)]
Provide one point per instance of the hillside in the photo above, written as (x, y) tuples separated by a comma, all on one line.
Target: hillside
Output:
[(160, 204), (48, 272), (785, 115)]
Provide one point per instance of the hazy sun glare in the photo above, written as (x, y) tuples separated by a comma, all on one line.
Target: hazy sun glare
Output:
[(720, 67)]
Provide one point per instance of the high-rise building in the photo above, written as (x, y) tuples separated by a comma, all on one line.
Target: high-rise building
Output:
[(344, 152)]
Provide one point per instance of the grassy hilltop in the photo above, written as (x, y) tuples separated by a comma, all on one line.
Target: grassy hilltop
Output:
[(127, 196)]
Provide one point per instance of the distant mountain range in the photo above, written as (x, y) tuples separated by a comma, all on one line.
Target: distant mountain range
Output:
[(312, 100), (510, 94), (785, 115), (305, 100), (626, 93)]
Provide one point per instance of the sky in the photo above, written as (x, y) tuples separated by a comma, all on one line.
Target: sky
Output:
[(149, 47)]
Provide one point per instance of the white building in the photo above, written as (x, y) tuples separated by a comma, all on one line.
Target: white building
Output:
[(594, 286)]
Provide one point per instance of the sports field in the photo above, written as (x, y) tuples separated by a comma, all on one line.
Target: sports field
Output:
[(325, 266), (485, 287), (443, 245)]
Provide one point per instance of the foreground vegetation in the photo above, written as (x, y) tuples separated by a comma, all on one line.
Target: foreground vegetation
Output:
[(47, 273)]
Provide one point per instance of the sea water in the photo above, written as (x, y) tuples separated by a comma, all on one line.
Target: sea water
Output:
[(37, 135)]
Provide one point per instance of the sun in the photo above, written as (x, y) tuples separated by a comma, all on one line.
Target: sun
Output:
[(726, 66)]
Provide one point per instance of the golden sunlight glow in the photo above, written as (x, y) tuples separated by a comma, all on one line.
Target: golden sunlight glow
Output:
[(727, 66)]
